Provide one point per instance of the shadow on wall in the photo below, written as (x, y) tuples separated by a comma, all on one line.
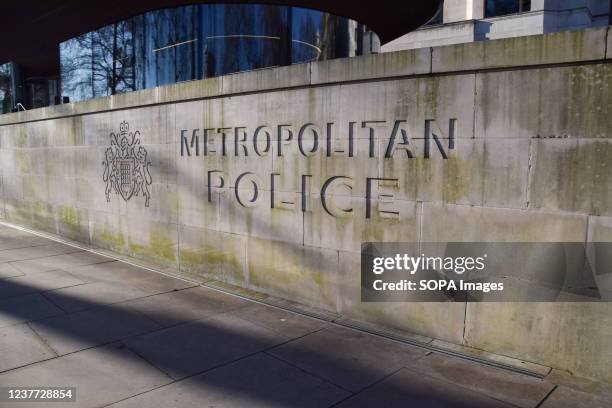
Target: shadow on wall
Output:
[(482, 29)]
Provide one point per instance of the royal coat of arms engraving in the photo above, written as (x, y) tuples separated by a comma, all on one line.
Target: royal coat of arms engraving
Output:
[(126, 169)]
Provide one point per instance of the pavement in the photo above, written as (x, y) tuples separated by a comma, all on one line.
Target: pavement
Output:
[(125, 336)]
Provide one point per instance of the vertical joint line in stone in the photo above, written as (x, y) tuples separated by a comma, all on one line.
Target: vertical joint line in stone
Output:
[(310, 73), (606, 56), (303, 226), (586, 234), (430, 60), (419, 210), (529, 166), (177, 197), (474, 107), (464, 321)]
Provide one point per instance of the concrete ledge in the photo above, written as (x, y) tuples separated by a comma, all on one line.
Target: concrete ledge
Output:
[(557, 48), (609, 45), (385, 65), (268, 79)]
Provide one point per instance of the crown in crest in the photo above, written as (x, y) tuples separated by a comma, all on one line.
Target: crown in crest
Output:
[(124, 127)]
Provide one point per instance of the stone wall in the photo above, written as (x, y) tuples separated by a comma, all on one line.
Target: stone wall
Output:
[(506, 140)]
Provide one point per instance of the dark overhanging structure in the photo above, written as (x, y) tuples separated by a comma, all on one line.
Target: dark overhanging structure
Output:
[(34, 33), (31, 30)]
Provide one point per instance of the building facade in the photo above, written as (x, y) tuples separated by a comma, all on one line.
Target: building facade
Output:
[(184, 43), (461, 21)]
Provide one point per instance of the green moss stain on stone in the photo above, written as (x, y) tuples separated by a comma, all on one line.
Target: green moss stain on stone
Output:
[(290, 271), (574, 176), (430, 95), (211, 261), (23, 160), (588, 101), (21, 137), (464, 177), (135, 248), (43, 216), (159, 247), (69, 216), (115, 241), (175, 206)]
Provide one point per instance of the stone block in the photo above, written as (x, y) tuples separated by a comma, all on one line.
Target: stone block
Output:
[(438, 320), (183, 91), (266, 79), (384, 65), (571, 335), (457, 223), (91, 105), (559, 102), (345, 230), (96, 129), (150, 123), (572, 175), (258, 219), (303, 274), (555, 48), (135, 98), (154, 241), (207, 254)]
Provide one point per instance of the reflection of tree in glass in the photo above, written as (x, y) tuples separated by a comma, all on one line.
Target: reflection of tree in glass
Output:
[(76, 67), (99, 63), (112, 60)]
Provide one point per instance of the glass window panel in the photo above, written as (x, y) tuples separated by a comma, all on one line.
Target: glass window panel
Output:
[(103, 45), (191, 42), (243, 37), (502, 7), (76, 68), (123, 63)]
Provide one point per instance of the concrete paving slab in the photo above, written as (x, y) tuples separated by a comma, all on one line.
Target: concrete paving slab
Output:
[(194, 347), (172, 308), (256, 381), (408, 388), (564, 397), (19, 345), (351, 359), (77, 331), (281, 321), (63, 261), (22, 241), (597, 388), (7, 270), (516, 389), (26, 308), (101, 376), (129, 275), (33, 252), (93, 295), (37, 282)]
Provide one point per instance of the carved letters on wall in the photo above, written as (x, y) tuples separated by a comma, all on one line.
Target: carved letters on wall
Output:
[(387, 140)]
